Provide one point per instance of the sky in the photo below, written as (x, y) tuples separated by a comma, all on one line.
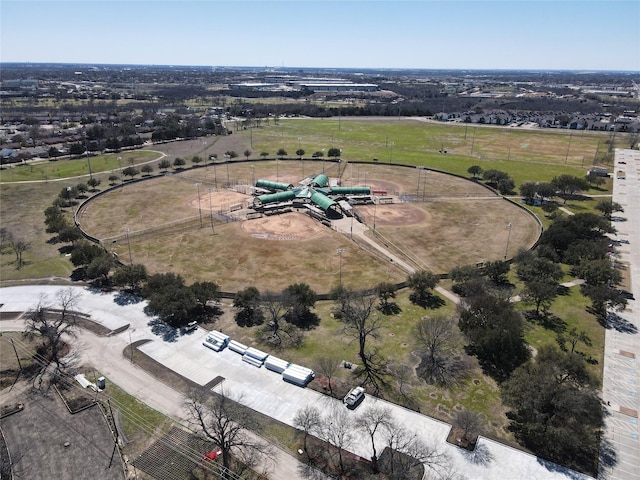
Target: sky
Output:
[(581, 35)]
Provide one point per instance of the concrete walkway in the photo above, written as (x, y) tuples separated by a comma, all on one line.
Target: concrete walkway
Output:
[(621, 373)]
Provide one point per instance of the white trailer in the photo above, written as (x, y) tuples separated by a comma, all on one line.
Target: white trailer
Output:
[(298, 375), (237, 347), (254, 357), (216, 341), (276, 364)]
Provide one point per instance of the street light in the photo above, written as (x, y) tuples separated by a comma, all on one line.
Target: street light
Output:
[(375, 207), (126, 231), (199, 207), (340, 251), (228, 159), (211, 212), (506, 250)]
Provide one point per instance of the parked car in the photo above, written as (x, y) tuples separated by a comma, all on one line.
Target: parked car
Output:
[(354, 397)]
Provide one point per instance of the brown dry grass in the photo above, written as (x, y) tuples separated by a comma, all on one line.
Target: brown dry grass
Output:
[(459, 223)]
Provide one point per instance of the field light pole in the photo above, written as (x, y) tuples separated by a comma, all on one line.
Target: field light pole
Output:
[(126, 231), (213, 232), (199, 206), (375, 207), (121, 178), (340, 251), (506, 250), (228, 159)]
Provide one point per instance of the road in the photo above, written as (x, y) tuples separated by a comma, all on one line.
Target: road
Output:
[(621, 374)]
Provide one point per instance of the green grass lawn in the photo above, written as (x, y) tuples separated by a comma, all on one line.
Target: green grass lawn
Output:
[(50, 170)]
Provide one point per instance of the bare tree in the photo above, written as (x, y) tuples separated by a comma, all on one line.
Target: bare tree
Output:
[(406, 452), (275, 308), (438, 339), (51, 325), (338, 430), (222, 419), (471, 424), (327, 367), (371, 421), (307, 419), (19, 246), (360, 323)]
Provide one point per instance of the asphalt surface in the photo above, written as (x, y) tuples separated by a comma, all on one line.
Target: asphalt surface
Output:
[(622, 345), (258, 388)]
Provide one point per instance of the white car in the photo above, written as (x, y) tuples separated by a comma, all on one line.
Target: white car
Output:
[(353, 397)]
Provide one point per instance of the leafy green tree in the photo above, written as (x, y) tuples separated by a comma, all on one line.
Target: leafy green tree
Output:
[(146, 169), (572, 338), (421, 284), (55, 219), (386, 292), (100, 267), (164, 164), (130, 276), (334, 152), (196, 159), (608, 207), (281, 153), (205, 292), (467, 280), (179, 163), (475, 171), (300, 299), (497, 271), (264, 154), (84, 252), (569, 185), (555, 409), (113, 179), (69, 233), (247, 302), (81, 189), (231, 154), (300, 152), (506, 186), (93, 182), (247, 154), (130, 172), (493, 176), (495, 332)]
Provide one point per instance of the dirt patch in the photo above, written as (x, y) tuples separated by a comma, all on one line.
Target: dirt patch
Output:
[(394, 214), (289, 226), (217, 201)]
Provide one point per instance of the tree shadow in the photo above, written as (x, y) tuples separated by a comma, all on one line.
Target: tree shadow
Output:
[(65, 249), (619, 324), (160, 328), (390, 308), (127, 298), (429, 301), (79, 274), (547, 321), (479, 455), (566, 471)]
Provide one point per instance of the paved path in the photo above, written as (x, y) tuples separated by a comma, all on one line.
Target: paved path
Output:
[(263, 390), (621, 373)]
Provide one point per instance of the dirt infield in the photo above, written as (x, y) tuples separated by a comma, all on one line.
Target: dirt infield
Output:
[(437, 220)]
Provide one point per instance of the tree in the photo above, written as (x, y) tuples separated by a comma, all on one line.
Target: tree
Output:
[(170, 299), (568, 185), (327, 367), (338, 429), (573, 337), (541, 293), (370, 422), (555, 409), (55, 220), (300, 153), (505, 186), (247, 154), (247, 302), (113, 179), (275, 306), (494, 176), (19, 246), (421, 283), (179, 163), (471, 424), (318, 154), (438, 340), (50, 326), (386, 291), (467, 280), (495, 332), (608, 207), (528, 192), (264, 154), (69, 233), (231, 154), (362, 325), (100, 267), (93, 182), (497, 271), (146, 169), (281, 153), (475, 171), (334, 152), (228, 424), (196, 159), (601, 279), (130, 172), (205, 292), (309, 420), (81, 189), (299, 299), (164, 164), (131, 276)]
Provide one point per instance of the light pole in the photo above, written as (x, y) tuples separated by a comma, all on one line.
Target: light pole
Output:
[(506, 250), (340, 251), (86, 147), (375, 208), (126, 231), (213, 232), (227, 159), (253, 175), (390, 153), (199, 207), (215, 174), (120, 165)]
